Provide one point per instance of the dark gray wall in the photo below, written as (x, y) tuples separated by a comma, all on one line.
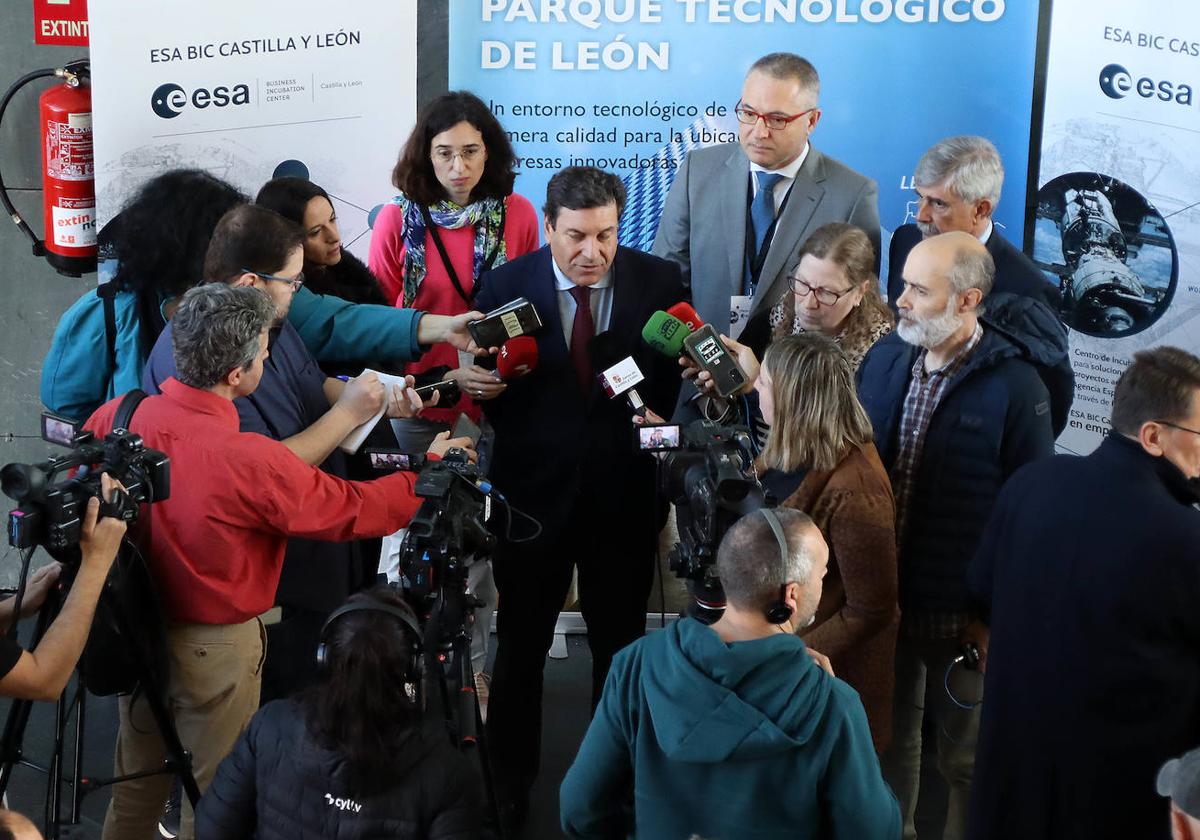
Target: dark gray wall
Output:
[(33, 295)]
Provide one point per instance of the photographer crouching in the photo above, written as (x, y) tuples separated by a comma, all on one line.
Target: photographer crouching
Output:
[(42, 674), (215, 547)]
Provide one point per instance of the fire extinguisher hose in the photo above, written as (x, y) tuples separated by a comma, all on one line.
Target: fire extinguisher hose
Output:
[(69, 70)]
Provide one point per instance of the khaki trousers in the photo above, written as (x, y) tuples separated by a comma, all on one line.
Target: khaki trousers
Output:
[(212, 692), (921, 672)]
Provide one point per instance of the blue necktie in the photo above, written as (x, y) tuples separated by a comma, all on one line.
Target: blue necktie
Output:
[(762, 213)]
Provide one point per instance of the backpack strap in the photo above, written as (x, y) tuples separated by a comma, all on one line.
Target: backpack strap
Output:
[(129, 404), (106, 292)]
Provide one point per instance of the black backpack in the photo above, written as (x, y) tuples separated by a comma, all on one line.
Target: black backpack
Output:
[(126, 649)]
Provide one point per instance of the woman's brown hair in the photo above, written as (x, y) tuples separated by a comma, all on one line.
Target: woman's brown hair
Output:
[(817, 416), (849, 249), (414, 174)]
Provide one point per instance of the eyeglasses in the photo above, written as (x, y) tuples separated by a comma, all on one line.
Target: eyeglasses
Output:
[(775, 122), (1177, 426), (468, 155), (295, 282), (825, 297)]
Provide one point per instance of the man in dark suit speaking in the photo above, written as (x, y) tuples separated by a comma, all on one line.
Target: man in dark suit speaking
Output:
[(958, 183), (564, 454)]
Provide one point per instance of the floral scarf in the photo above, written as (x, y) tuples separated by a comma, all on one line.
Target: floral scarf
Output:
[(485, 216)]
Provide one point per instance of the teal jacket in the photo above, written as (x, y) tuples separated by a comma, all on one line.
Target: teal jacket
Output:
[(742, 741), (79, 375)]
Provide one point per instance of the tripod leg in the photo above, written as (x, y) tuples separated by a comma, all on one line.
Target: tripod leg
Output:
[(77, 771), (485, 764), (55, 770)]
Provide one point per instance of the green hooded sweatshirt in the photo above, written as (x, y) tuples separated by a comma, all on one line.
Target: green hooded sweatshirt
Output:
[(742, 741)]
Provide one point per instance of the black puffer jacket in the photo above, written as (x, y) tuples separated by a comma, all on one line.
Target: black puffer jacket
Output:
[(993, 418), (277, 784)]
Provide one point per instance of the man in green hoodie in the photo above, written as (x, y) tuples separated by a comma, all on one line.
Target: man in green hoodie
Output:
[(733, 730)]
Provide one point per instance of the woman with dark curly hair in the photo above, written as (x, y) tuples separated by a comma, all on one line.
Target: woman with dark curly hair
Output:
[(348, 757), (157, 245), (329, 269), (456, 217)]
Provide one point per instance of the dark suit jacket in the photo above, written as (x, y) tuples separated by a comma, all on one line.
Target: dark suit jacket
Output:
[(1015, 273), (1088, 566), (552, 440), (1016, 277)]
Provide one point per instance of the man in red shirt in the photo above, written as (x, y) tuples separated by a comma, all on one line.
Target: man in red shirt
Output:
[(216, 545)]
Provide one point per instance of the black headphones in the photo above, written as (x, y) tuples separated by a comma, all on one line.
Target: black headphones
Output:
[(404, 615), (778, 612)]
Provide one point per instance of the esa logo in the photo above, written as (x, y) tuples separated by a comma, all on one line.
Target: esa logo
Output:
[(169, 100), (1117, 83)]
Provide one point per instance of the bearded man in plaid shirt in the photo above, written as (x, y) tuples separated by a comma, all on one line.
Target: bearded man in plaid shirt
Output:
[(957, 407)]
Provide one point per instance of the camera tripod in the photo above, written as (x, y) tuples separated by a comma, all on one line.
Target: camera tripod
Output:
[(151, 691), (448, 666)]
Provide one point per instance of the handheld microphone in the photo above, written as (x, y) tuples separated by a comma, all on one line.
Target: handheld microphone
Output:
[(518, 357), (665, 333), (686, 313), (617, 374)]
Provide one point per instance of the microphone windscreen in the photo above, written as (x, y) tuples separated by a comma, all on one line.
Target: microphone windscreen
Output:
[(665, 333), (604, 351), (686, 313), (518, 356)]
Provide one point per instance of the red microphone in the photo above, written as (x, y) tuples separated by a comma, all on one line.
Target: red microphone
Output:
[(518, 357), (684, 312)]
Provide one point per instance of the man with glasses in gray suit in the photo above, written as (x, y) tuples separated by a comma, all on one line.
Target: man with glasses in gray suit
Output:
[(774, 180)]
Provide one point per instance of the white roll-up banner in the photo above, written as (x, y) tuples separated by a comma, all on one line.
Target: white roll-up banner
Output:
[(252, 90), (1118, 206)]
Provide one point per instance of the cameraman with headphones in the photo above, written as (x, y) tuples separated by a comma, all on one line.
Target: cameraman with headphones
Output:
[(734, 729), (42, 674), (348, 757)]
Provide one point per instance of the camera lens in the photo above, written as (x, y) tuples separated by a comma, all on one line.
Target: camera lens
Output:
[(22, 482)]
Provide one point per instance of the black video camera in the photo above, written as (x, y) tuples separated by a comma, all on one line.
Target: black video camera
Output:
[(712, 483), (445, 536), (51, 515)]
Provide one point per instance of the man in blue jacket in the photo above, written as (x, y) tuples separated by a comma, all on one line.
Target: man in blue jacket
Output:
[(957, 407), (733, 730)]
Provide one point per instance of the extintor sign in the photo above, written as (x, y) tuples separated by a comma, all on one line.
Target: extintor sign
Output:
[(60, 22)]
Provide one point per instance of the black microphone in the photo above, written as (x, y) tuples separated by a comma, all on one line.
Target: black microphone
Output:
[(616, 370)]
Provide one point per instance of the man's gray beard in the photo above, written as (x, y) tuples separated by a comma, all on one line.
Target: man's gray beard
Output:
[(927, 229), (932, 332)]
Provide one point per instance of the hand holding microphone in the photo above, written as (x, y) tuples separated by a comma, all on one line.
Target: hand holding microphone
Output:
[(518, 357), (704, 353), (744, 358), (617, 373)]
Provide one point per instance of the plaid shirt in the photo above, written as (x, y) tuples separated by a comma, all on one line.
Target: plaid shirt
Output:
[(925, 391)]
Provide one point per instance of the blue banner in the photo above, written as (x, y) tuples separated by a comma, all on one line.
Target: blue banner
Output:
[(633, 85)]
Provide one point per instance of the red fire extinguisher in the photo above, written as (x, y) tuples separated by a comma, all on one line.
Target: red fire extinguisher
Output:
[(68, 172)]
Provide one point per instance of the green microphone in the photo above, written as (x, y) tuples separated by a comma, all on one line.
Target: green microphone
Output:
[(665, 333)]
